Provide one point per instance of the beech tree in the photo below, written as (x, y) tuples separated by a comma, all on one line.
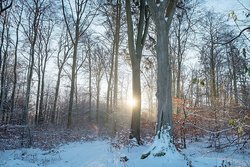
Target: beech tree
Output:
[(13, 94), (45, 52), (162, 15), (4, 54), (33, 11), (112, 11), (77, 23), (135, 51), (211, 25), (62, 56), (183, 22)]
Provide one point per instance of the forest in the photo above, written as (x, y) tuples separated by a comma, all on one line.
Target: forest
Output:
[(165, 79)]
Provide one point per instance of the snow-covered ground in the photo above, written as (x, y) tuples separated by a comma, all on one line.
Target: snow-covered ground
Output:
[(202, 156), (102, 154)]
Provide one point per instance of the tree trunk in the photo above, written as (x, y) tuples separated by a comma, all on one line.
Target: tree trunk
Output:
[(73, 76), (212, 75), (41, 105), (179, 64), (135, 51), (234, 75), (164, 79), (38, 94), (98, 98), (15, 67), (117, 39), (1, 51), (245, 93), (162, 16), (90, 83), (58, 81), (60, 65), (3, 79), (136, 111), (110, 80), (33, 36), (80, 20)]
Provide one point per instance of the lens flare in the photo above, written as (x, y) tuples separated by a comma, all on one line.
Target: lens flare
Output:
[(132, 102)]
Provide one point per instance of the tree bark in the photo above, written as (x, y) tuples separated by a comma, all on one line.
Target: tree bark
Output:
[(135, 51), (162, 16), (117, 40), (3, 75), (90, 78), (15, 66), (60, 65)]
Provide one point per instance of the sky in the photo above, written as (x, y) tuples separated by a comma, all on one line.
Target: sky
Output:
[(224, 7), (227, 5)]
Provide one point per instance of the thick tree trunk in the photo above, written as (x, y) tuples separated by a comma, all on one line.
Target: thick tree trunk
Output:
[(164, 79), (135, 51), (136, 111), (162, 16)]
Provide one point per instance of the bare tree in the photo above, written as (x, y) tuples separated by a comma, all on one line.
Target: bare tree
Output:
[(62, 57), (98, 72), (135, 52), (4, 54), (90, 73), (211, 26), (80, 18), (116, 44), (181, 26), (162, 15), (34, 11), (46, 52), (112, 23), (13, 94)]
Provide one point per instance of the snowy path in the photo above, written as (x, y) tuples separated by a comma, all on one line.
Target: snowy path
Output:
[(101, 154)]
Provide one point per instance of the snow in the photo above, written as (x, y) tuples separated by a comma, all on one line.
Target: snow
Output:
[(90, 154), (201, 155), (102, 154), (166, 19)]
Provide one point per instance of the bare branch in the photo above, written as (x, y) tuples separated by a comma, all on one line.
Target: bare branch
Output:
[(5, 8), (224, 43), (66, 22)]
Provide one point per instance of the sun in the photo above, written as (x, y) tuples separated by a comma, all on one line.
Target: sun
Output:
[(132, 102)]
